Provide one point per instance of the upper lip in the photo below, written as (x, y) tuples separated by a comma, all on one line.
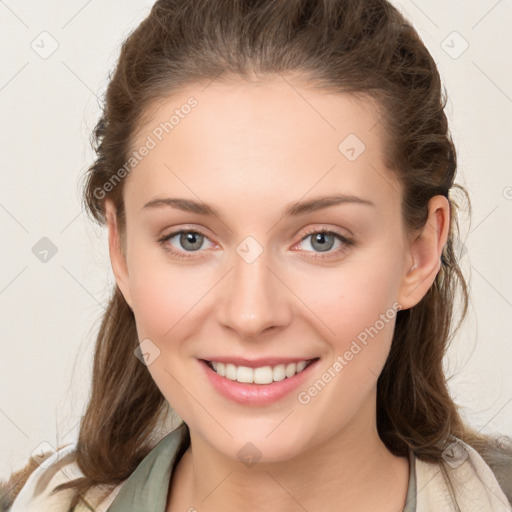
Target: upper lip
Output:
[(256, 363)]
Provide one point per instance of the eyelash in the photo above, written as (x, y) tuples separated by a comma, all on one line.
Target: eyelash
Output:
[(317, 256)]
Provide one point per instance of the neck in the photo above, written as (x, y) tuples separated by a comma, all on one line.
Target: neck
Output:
[(352, 468)]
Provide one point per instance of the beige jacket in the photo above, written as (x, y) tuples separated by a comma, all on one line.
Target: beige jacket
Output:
[(464, 485)]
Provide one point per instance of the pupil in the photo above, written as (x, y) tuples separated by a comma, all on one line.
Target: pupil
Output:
[(321, 238), (189, 238)]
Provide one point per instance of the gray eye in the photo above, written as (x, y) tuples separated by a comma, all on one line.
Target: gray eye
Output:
[(190, 240), (322, 241)]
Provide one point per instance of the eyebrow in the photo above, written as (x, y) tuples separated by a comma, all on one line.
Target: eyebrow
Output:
[(292, 209)]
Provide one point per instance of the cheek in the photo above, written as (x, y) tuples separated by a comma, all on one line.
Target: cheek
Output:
[(159, 291), (168, 298), (359, 307), (356, 308), (349, 299), (162, 298)]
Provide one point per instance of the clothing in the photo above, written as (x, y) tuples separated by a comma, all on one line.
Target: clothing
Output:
[(473, 482)]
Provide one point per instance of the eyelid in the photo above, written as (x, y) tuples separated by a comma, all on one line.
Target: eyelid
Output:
[(184, 228), (323, 229), (180, 254), (346, 242)]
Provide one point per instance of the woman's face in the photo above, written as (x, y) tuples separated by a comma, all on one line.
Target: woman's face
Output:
[(255, 282)]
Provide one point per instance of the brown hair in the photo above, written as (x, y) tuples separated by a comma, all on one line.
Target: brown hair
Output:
[(347, 46)]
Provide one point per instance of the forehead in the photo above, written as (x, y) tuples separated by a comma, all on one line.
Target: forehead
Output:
[(268, 140)]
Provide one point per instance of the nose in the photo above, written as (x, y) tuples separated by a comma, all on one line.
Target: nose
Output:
[(254, 298)]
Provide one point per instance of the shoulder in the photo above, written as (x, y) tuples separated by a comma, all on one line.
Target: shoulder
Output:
[(462, 480), (38, 493)]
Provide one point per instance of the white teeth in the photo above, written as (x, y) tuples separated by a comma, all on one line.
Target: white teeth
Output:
[(301, 365), (261, 375), (230, 372), (220, 368), (290, 369), (279, 372), (244, 374)]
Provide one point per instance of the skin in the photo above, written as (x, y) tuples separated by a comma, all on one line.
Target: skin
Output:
[(248, 150)]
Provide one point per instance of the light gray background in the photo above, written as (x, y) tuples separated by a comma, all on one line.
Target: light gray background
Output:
[(50, 311)]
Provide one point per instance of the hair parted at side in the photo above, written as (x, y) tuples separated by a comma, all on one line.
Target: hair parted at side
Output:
[(346, 46)]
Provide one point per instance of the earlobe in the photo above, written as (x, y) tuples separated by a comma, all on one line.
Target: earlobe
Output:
[(117, 258), (425, 251)]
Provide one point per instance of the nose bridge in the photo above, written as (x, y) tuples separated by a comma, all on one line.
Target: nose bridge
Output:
[(254, 300)]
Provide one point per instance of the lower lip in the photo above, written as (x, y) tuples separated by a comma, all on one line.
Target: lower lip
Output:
[(256, 394)]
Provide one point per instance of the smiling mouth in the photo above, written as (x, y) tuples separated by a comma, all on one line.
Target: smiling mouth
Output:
[(260, 375)]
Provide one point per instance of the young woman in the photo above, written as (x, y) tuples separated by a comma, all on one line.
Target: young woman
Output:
[(277, 180)]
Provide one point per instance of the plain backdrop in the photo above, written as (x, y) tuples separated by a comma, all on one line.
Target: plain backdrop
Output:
[(56, 56)]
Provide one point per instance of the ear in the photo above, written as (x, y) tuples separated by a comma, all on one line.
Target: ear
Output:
[(117, 258), (425, 250)]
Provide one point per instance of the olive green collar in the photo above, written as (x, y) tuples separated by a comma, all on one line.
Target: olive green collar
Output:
[(147, 487)]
